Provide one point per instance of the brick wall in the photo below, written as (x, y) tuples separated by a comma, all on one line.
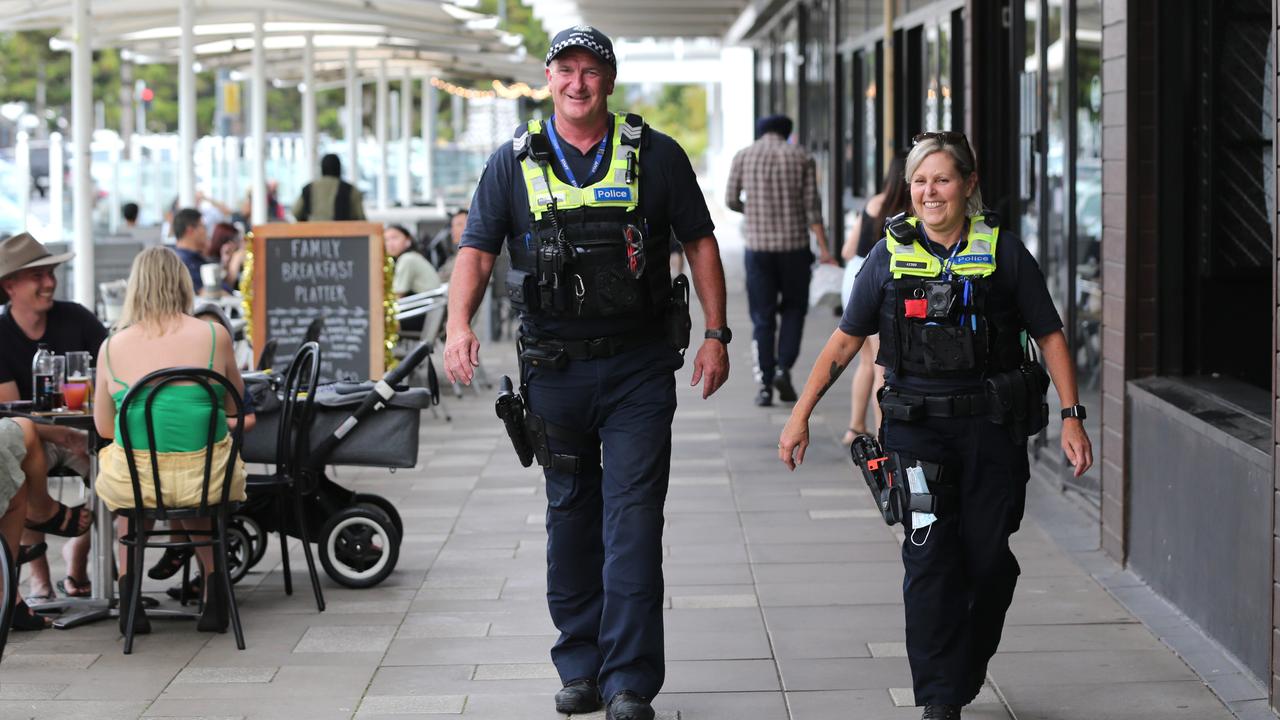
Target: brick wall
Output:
[(1116, 142)]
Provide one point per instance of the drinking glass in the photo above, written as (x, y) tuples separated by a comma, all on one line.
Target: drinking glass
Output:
[(79, 373)]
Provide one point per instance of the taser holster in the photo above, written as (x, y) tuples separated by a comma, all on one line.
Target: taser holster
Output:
[(885, 476), (530, 435)]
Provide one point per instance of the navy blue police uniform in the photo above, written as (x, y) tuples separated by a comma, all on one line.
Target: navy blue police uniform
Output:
[(959, 571), (613, 399)]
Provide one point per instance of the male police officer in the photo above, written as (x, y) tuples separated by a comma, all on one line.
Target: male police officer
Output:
[(586, 203)]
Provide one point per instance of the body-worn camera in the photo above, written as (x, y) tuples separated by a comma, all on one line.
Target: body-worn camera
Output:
[(940, 297)]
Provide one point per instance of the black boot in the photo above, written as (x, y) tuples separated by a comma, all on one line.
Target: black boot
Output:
[(941, 712), (214, 617), (578, 697), (627, 705), (141, 625)]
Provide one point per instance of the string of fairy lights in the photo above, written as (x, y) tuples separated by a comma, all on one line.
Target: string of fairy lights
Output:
[(500, 90)]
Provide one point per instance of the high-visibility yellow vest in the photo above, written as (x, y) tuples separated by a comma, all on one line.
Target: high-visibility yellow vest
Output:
[(976, 259)]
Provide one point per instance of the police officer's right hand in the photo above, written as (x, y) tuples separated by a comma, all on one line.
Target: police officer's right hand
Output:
[(461, 355), (793, 441)]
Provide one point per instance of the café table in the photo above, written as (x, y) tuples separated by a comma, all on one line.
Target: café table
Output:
[(100, 604)]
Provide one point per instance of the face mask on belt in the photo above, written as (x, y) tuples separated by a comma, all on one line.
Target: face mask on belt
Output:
[(919, 520)]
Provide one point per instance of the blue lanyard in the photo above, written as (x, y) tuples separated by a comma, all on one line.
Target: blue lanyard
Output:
[(564, 164), (946, 264)]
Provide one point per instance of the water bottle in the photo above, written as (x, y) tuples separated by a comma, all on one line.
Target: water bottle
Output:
[(42, 380)]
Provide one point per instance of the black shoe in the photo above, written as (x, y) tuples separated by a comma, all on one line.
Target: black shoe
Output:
[(764, 398), (214, 617), (786, 391), (941, 712), (141, 625), (578, 696), (627, 705), (170, 563), (193, 590)]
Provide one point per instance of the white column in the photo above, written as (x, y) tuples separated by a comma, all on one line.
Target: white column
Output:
[(309, 110), (380, 131), (113, 215), (258, 124), (82, 136), (428, 139), (22, 159), (353, 118), (56, 180), (405, 187), (186, 104), (233, 170)]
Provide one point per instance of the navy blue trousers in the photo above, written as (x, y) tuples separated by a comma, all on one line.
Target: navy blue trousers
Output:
[(960, 572), (777, 287), (604, 523)]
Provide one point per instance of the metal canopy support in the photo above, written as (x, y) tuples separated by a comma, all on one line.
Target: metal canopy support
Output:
[(309, 106), (81, 137), (380, 132), (429, 104), (186, 104), (353, 118), (258, 124), (404, 188)]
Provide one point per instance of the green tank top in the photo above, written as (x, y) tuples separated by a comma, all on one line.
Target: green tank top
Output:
[(180, 413)]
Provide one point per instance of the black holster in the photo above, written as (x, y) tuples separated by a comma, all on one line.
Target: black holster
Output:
[(886, 477), (679, 323)]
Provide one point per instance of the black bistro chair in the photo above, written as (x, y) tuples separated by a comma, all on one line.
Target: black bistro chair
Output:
[(293, 479), (219, 509), (9, 570)]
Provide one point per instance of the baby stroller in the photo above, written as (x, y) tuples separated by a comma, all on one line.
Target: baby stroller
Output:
[(363, 424)]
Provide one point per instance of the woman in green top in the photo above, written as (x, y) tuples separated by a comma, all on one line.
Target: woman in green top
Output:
[(156, 333)]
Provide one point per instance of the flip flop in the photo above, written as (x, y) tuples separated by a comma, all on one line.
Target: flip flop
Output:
[(62, 525), (81, 589), (27, 553), (24, 619)]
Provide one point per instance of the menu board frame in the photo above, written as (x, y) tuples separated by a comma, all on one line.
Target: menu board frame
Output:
[(277, 232)]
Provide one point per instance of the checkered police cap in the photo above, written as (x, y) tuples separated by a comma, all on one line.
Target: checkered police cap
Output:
[(583, 36)]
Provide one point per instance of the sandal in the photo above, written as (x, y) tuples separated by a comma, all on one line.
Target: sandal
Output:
[(24, 619), (193, 589), (65, 522), (27, 553), (170, 563), (74, 588)]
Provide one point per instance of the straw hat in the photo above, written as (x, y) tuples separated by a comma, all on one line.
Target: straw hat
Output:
[(20, 252)]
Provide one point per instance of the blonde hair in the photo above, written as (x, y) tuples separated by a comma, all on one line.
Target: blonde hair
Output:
[(961, 157), (159, 290)]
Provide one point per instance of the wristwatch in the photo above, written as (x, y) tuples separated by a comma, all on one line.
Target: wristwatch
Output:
[(1075, 411), (723, 334)]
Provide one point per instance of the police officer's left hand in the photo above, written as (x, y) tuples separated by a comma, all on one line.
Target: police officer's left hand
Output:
[(711, 366), (793, 441), (1075, 443)]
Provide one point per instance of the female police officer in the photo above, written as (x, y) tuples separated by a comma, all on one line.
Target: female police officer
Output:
[(951, 296)]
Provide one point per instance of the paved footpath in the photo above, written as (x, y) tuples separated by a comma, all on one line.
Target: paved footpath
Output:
[(783, 599)]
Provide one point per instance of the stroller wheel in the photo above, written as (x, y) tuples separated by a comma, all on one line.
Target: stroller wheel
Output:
[(257, 536), (359, 546), (239, 552), (385, 506)]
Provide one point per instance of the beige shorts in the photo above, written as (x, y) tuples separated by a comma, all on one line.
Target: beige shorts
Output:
[(181, 476)]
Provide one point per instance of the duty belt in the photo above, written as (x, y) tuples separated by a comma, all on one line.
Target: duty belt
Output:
[(900, 405), (593, 348)]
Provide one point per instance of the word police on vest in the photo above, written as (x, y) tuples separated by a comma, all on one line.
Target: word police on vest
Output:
[(606, 194)]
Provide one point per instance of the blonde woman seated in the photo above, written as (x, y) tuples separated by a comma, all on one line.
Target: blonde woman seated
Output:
[(156, 333)]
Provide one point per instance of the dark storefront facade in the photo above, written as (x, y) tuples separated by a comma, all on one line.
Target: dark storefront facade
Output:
[(1130, 145)]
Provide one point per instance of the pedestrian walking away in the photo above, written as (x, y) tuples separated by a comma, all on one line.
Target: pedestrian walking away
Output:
[(585, 204), (781, 205), (951, 295)]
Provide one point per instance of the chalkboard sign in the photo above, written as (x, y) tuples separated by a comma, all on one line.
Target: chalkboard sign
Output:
[(332, 271)]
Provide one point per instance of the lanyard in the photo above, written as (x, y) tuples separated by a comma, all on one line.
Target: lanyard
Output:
[(946, 264), (564, 164)]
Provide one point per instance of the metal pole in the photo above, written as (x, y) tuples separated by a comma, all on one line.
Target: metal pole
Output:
[(82, 137), (186, 104), (22, 158), (429, 113), (353, 118), (258, 121), (380, 131), (309, 108), (405, 187), (57, 180)]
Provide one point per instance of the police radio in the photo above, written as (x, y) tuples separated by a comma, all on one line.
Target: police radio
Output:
[(539, 147), (903, 232)]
